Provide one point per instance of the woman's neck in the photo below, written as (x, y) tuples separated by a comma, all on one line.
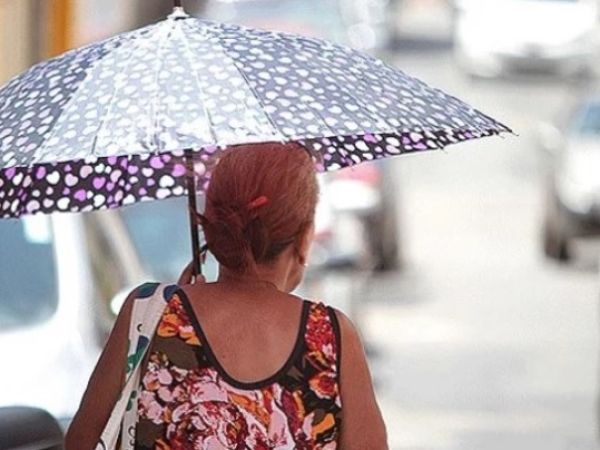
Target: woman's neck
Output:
[(255, 280)]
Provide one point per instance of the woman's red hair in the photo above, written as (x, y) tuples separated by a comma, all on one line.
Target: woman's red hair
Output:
[(280, 179)]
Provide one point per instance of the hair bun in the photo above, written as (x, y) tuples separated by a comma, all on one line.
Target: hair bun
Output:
[(240, 230)]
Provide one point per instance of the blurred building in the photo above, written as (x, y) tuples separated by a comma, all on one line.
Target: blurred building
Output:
[(34, 30), (20, 36)]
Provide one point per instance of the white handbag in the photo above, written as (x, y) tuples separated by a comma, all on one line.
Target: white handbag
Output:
[(148, 308)]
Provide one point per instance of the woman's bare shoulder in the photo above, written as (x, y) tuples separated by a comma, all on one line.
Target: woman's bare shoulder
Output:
[(364, 423)]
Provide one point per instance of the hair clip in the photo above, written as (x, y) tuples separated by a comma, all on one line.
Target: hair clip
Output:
[(258, 202)]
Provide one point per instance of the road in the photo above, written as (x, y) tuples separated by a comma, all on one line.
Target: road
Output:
[(481, 343)]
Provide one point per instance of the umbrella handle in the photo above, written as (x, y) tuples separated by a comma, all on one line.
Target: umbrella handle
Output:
[(191, 188)]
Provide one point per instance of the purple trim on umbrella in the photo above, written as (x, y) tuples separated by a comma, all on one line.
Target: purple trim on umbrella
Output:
[(123, 180)]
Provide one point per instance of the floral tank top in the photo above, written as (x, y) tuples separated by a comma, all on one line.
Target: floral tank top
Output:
[(188, 401)]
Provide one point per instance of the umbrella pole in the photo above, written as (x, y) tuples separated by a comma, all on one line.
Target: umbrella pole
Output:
[(177, 3), (191, 188)]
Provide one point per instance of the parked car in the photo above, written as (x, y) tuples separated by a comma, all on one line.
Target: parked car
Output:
[(494, 36), (49, 332), (572, 207), (357, 226), (29, 429), (63, 279)]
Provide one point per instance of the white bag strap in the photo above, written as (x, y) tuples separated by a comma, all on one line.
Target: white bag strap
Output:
[(147, 310)]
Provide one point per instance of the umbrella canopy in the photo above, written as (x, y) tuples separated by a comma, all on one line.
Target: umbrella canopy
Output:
[(109, 124)]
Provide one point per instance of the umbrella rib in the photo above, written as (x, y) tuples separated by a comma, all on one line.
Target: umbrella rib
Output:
[(39, 151), (11, 97), (114, 96), (472, 125), (16, 95), (282, 138), (206, 111), (317, 113), (45, 69), (16, 79), (361, 103), (156, 100)]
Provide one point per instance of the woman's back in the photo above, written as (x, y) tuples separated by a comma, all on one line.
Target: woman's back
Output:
[(240, 363), (231, 368), (241, 323)]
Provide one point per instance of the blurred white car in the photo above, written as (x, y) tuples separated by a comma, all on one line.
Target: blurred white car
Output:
[(48, 329), (492, 36), (573, 183), (371, 24), (362, 24), (63, 278)]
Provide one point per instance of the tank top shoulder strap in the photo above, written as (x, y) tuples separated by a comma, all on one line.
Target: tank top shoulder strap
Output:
[(322, 336), (178, 318)]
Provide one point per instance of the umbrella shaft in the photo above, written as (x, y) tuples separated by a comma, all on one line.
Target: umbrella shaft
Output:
[(177, 3), (191, 188)]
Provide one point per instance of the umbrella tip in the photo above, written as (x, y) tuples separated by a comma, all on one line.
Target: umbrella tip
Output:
[(178, 12)]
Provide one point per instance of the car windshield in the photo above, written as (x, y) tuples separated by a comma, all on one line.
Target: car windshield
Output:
[(160, 232), (28, 286), (587, 121)]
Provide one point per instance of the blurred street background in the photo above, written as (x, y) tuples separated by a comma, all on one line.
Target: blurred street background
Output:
[(472, 273)]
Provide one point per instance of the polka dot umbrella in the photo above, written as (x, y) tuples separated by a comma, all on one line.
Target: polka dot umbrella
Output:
[(122, 121)]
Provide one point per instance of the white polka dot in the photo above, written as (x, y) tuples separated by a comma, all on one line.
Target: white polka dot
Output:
[(163, 193), (17, 179), (99, 200), (393, 141), (53, 178), (166, 181), (362, 146), (32, 206), (63, 203)]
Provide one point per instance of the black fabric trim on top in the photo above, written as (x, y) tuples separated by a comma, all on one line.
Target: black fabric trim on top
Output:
[(294, 354), (338, 339)]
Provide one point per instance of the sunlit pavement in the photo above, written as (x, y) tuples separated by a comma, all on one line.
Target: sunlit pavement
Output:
[(481, 343)]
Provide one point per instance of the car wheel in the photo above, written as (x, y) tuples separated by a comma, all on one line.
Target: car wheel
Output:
[(29, 428), (387, 260), (555, 244), (382, 235)]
